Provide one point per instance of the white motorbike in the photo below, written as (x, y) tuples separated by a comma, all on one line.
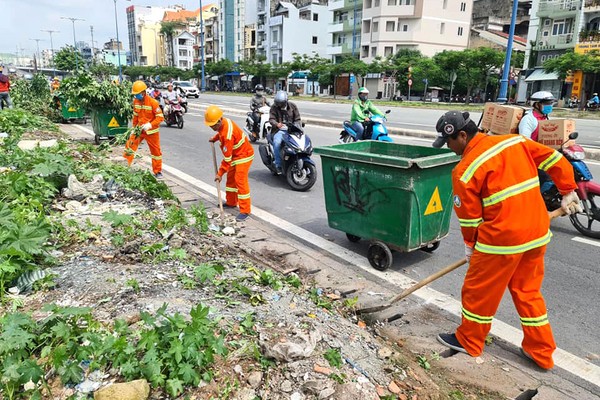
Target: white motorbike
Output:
[(264, 126)]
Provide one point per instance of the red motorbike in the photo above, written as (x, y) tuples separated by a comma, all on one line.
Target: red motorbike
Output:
[(175, 116)]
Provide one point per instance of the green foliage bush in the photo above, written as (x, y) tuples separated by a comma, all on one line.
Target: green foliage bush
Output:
[(34, 96)]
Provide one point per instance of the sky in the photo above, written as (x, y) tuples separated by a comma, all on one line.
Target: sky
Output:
[(22, 20)]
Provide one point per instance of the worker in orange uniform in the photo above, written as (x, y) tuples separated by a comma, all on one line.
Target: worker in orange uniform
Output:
[(237, 158), (505, 227), (148, 115)]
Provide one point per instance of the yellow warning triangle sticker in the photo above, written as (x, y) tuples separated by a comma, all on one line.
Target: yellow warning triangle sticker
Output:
[(114, 124), (435, 203), (72, 109)]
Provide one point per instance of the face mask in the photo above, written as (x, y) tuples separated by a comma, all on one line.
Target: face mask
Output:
[(363, 97), (547, 109), (139, 96)]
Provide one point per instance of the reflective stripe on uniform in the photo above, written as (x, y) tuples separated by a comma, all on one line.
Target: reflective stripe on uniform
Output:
[(160, 115), (229, 129), (135, 114), (535, 321), (486, 155), (240, 143), (230, 189), (227, 159), (139, 106), (156, 157), (243, 196), (511, 191), (243, 160), (476, 318), (521, 248), (152, 131), (470, 223), (550, 161)]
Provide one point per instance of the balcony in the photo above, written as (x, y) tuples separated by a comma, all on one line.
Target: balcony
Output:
[(591, 6), (559, 9), (559, 42), (344, 5), (345, 26), (589, 36), (341, 48), (335, 5)]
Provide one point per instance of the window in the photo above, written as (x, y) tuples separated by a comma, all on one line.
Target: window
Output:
[(390, 26), (463, 6), (366, 27), (388, 51), (460, 31), (545, 34), (407, 2), (373, 51), (376, 3), (442, 28), (315, 17), (375, 26), (445, 5), (561, 27), (314, 39), (547, 22), (543, 58), (404, 28), (392, 2), (368, 4)]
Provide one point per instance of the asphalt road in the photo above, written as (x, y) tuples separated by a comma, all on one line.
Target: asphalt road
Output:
[(572, 267)]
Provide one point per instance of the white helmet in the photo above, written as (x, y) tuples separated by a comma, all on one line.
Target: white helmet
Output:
[(542, 96)]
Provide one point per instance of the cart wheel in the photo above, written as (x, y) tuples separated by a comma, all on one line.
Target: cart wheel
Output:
[(352, 238), (380, 255), (431, 247), (97, 139)]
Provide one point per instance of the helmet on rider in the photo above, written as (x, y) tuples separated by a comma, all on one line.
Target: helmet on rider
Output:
[(542, 101), (281, 99), (212, 115), (259, 89), (363, 93), (138, 87)]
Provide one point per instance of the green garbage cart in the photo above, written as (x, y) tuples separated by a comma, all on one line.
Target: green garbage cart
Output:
[(107, 124), (399, 197), (68, 112)]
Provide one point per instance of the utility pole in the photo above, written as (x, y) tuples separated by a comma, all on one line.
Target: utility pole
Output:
[(37, 42), (74, 39), (203, 81), (354, 30), (118, 44), (51, 46), (502, 96), (92, 32)]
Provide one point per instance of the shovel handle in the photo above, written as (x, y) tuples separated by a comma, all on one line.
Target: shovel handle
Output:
[(217, 184)]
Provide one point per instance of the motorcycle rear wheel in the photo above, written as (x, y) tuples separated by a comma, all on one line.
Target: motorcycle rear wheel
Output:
[(301, 181), (588, 222)]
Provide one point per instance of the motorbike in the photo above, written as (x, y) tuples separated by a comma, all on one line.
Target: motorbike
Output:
[(588, 222), (175, 117), (264, 126), (184, 104), (298, 168), (375, 129), (592, 106)]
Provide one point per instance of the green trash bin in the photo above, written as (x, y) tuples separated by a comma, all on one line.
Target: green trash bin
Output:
[(107, 124), (397, 196), (70, 113)]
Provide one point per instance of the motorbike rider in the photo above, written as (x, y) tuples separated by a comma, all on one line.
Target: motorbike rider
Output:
[(282, 112), (170, 97), (156, 94), (258, 101), (362, 109), (594, 101), (542, 103)]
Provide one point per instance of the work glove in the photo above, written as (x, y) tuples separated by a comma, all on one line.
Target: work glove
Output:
[(571, 204), (147, 126), (468, 252)]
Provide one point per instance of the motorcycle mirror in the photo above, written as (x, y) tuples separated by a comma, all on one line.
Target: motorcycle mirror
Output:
[(573, 135), (388, 111)]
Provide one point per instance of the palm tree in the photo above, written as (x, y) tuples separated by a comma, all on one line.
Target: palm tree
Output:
[(168, 28)]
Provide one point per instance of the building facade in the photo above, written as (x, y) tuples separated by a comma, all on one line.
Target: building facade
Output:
[(250, 42), (345, 28), (141, 27), (301, 30), (232, 20)]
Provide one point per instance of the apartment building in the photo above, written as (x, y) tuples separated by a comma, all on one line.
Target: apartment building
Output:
[(209, 13), (345, 28), (211, 39), (142, 22), (301, 30), (232, 21), (250, 41), (391, 25), (557, 26)]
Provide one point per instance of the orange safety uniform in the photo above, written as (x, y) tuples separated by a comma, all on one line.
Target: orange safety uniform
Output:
[(238, 154), (503, 217), (146, 110)]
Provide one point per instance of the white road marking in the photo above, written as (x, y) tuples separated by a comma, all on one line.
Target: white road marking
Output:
[(563, 359), (586, 241)]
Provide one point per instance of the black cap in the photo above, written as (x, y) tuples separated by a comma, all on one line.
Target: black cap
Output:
[(448, 124)]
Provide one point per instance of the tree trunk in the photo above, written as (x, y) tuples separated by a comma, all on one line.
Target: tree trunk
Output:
[(335, 87)]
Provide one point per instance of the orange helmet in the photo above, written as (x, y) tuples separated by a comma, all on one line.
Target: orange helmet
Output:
[(212, 115), (138, 87)]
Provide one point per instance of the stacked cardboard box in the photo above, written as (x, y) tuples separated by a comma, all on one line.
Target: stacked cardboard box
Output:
[(554, 132), (506, 119), (488, 115)]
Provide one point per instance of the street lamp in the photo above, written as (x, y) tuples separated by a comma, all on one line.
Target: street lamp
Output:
[(51, 46), (118, 44), (203, 81), (74, 39), (502, 96), (37, 42)]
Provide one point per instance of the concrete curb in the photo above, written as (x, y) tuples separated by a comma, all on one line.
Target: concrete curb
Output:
[(590, 154)]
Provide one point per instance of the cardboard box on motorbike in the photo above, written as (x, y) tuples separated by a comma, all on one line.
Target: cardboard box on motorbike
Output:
[(554, 132), (488, 115), (506, 119)]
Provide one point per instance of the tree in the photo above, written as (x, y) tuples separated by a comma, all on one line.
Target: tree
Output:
[(68, 59), (256, 67), (102, 70), (315, 64), (168, 28), (588, 63)]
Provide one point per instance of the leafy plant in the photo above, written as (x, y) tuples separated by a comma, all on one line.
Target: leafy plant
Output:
[(134, 284), (319, 300), (339, 378), (334, 357), (208, 271), (423, 362), (116, 219)]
